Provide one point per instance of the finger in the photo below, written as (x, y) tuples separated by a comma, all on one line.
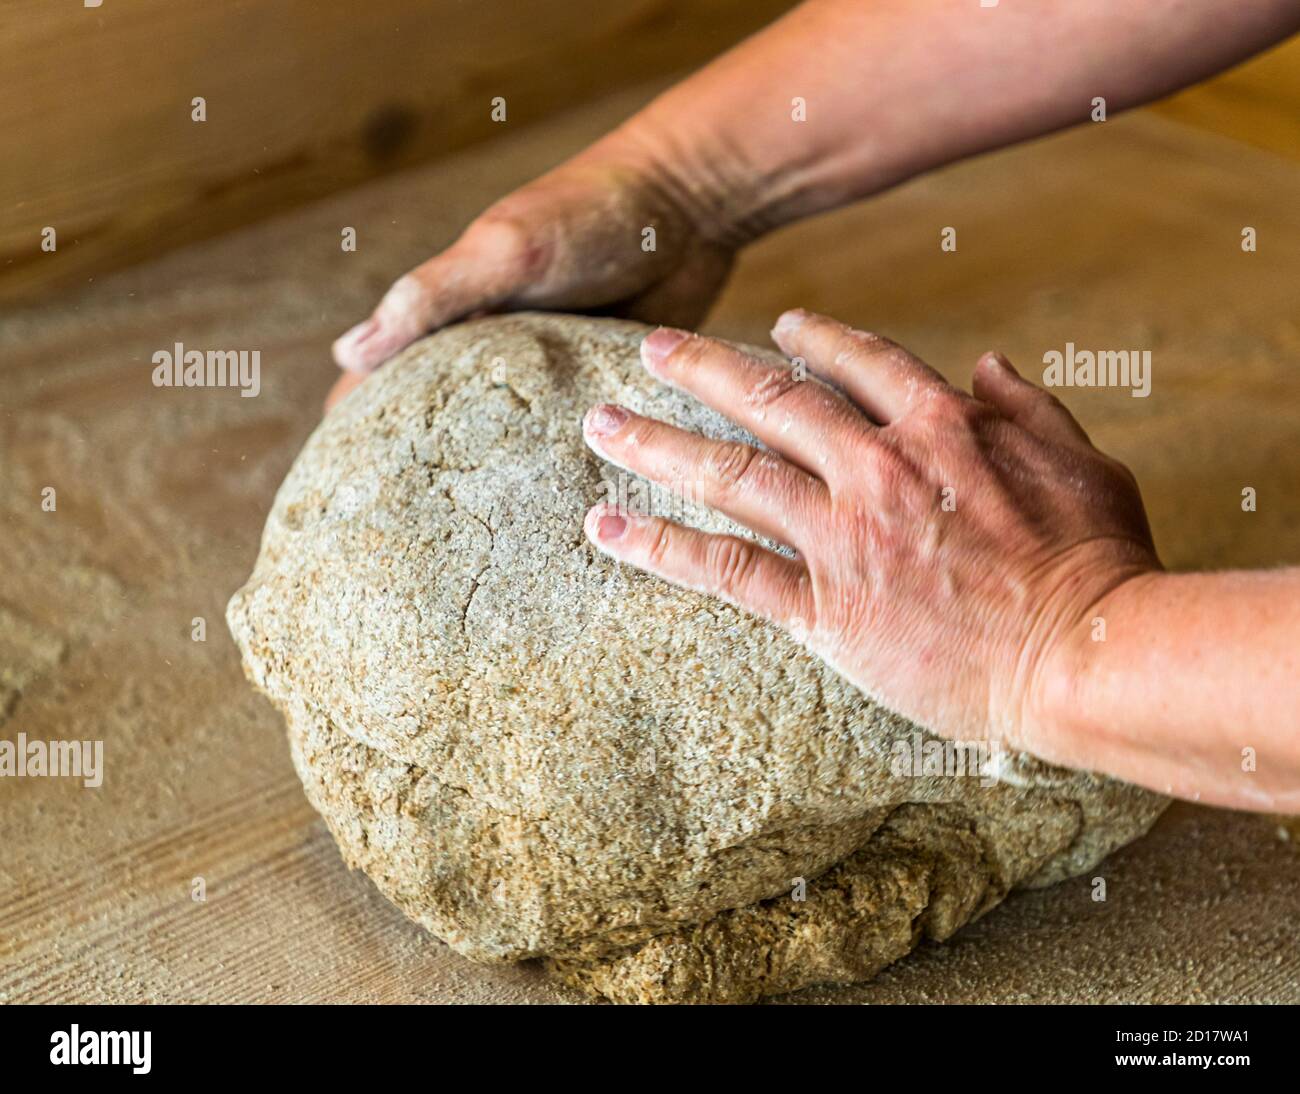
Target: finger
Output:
[(736, 570), (758, 489), (1025, 404), (802, 419), (878, 374), (484, 267), (342, 386)]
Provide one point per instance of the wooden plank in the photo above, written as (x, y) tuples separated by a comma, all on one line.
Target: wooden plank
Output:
[(303, 98)]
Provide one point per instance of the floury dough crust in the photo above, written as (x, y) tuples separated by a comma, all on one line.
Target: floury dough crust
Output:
[(535, 752)]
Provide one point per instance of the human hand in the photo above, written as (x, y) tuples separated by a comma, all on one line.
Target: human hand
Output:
[(949, 546), (574, 239)]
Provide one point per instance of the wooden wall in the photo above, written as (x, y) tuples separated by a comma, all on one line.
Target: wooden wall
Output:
[(303, 97)]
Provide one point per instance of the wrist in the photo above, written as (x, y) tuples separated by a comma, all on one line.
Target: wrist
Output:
[(1068, 715), (711, 190)]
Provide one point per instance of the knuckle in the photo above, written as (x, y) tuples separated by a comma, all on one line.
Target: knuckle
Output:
[(497, 231), (407, 293), (729, 464), (935, 409), (659, 543), (501, 237), (731, 561), (771, 386), (889, 469)]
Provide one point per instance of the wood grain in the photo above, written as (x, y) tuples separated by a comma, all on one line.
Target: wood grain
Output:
[(304, 98)]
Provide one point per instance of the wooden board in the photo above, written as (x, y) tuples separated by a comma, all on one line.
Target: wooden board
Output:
[(1119, 235), (303, 98)]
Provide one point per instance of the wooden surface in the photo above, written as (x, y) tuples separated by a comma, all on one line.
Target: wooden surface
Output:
[(1257, 102), (304, 98), (1119, 235)]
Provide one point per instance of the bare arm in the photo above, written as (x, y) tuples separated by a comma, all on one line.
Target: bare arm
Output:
[(898, 87), (1194, 690), (891, 88)]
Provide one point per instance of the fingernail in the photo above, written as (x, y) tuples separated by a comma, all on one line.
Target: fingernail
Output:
[(605, 419), (658, 344), (790, 321), (610, 526), (347, 344)]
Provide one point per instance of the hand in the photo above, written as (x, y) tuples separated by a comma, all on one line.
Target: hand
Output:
[(949, 547), (574, 240)]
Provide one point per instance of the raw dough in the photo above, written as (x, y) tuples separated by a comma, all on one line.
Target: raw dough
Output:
[(536, 753)]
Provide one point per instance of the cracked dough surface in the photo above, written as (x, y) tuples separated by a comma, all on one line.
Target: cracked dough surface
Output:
[(536, 753)]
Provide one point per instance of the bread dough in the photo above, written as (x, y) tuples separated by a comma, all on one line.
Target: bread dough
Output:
[(537, 753)]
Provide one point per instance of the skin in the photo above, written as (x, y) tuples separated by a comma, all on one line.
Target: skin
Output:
[(978, 620), (954, 554)]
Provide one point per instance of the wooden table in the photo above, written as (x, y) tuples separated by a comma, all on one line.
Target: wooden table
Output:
[(1124, 234)]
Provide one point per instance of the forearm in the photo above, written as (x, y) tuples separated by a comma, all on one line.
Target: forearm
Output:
[(1190, 684), (896, 87)]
